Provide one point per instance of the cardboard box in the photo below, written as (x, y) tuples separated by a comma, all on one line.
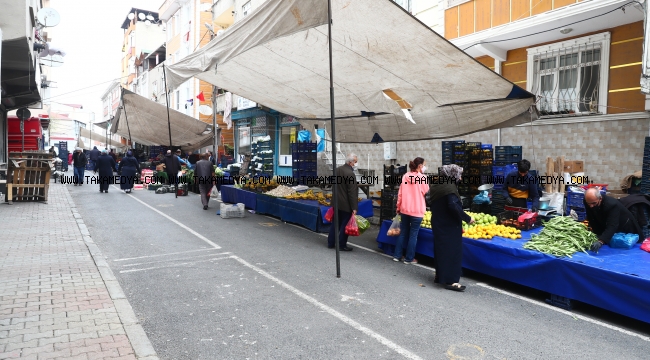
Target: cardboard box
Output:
[(574, 166)]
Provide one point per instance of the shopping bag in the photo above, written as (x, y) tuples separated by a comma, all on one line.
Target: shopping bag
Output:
[(646, 245), (362, 223), (329, 215), (623, 241), (351, 228), (394, 227)]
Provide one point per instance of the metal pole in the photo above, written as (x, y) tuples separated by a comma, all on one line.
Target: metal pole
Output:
[(169, 123), (22, 131), (334, 164), (214, 115)]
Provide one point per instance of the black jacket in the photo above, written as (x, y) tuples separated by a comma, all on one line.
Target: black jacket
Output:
[(636, 204), (105, 165), (79, 159), (204, 171), (610, 218), (94, 154), (347, 189), (172, 165)]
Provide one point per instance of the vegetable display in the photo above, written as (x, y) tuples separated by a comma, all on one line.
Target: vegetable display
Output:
[(561, 236), (281, 191)]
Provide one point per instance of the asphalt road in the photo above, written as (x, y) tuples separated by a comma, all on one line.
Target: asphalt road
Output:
[(256, 288)]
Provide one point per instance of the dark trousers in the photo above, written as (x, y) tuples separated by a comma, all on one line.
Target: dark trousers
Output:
[(344, 217), (204, 189), (520, 203)]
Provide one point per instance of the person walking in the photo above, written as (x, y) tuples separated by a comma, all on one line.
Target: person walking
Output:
[(79, 162), (203, 175), (348, 200), (93, 155), (447, 216), (411, 207), (128, 168), (172, 167), (105, 165), (113, 155)]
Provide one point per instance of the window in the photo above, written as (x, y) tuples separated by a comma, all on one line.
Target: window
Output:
[(177, 96), (406, 4), (246, 8), (177, 24), (570, 77)]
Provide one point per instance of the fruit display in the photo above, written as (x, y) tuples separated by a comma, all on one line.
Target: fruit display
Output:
[(281, 191), (491, 230), (479, 219), (426, 220)]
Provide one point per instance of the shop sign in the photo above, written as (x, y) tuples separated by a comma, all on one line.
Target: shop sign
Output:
[(293, 135), (243, 104), (244, 136)]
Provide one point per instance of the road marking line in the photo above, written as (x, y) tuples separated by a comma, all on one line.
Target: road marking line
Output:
[(175, 221), (566, 312), (174, 265), (383, 340), (176, 253), (168, 260)]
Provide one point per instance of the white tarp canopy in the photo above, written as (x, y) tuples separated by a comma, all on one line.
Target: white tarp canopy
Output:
[(147, 122), (85, 133), (389, 68)]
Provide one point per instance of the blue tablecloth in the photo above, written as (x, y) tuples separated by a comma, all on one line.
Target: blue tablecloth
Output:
[(232, 195), (614, 279), (363, 209), (302, 212), (268, 205)]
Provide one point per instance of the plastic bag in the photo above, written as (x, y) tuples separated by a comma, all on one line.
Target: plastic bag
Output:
[(351, 228), (329, 215), (394, 229), (362, 223), (646, 245), (482, 198), (623, 241)]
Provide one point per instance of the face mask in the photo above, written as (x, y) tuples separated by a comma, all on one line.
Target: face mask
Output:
[(424, 168), (355, 167)]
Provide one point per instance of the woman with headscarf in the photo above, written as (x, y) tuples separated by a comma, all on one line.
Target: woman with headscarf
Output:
[(129, 167), (105, 165), (447, 216)]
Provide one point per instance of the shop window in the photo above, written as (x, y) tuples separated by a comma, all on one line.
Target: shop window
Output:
[(570, 77), (246, 9)]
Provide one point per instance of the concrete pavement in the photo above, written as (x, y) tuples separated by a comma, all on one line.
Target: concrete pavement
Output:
[(58, 297)]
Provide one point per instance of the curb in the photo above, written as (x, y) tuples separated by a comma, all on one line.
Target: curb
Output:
[(137, 337)]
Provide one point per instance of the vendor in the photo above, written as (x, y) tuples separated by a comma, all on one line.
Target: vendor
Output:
[(520, 186), (608, 216)]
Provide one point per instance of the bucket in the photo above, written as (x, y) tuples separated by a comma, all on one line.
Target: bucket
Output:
[(543, 203)]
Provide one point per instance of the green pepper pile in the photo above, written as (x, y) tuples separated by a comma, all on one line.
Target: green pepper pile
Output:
[(562, 236)]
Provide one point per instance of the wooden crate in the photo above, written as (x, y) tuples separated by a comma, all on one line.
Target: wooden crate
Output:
[(28, 176)]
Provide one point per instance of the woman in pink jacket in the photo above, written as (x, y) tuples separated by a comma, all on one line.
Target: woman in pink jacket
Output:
[(411, 206)]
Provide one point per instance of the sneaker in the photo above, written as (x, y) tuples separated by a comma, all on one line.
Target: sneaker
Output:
[(410, 262), (395, 260)]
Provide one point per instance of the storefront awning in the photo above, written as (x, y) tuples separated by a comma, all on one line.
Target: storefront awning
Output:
[(393, 75), (19, 76), (147, 122)]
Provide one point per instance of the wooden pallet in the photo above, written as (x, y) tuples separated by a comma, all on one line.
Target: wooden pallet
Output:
[(28, 176)]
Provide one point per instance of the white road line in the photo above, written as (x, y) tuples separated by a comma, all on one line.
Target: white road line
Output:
[(175, 221), (383, 340), (176, 253), (175, 259), (173, 265), (566, 312)]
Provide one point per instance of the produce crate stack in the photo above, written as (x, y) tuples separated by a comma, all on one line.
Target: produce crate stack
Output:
[(645, 177), (261, 164), (472, 169), (506, 155), (498, 202), (154, 151), (392, 179), (304, 164), (448, 151), (485, 170), (574, 201)]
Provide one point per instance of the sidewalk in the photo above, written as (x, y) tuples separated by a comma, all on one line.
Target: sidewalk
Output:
[(58, 297)]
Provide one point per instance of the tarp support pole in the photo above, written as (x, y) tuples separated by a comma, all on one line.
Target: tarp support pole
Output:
[(169, 124), (334, 190), (126, 117)]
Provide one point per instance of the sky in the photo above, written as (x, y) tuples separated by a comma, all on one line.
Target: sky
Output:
[(90, 33)]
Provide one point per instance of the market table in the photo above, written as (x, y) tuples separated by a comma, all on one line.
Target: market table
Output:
[(232, 195), (310, 214), (614, 279)]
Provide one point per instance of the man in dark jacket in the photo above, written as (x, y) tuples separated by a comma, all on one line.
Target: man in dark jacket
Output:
[(203, 176), (79, 162), (94, 155), (347, 199), (521, 186), (608, 216), (172, 167), (105, 165)]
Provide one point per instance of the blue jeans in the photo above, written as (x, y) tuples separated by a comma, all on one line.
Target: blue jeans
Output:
[(79, 174), (408, 229)]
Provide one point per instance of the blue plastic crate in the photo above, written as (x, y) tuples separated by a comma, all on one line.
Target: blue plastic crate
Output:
[(575, 199), (486, 146)]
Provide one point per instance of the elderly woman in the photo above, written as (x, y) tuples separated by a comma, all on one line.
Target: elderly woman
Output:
[(105, 165), (447, 216), (129, 167)]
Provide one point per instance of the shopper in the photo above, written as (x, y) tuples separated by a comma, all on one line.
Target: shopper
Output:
[(129, 167), (347, 198), (113, 155), (447, 216), (411, 207), (172, 167), (79, 162), (52, 151), (203, 176), (105, 165)]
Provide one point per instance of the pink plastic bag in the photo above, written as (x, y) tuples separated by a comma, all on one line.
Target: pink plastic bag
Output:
[(329, 215), (646, 245)]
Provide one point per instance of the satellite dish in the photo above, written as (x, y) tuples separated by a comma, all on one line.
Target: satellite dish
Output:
[(131, 16), (52, 61), (150, 18), (142, 16), (205, 110), (48, 17)]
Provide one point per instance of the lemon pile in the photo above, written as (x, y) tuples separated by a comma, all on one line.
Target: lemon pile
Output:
[(426, 220), (491, 230)]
